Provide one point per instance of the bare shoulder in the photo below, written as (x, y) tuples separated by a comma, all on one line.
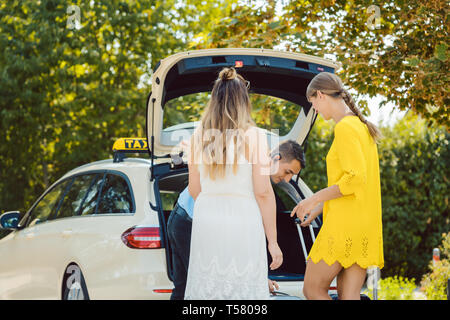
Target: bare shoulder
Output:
[(256, 144)]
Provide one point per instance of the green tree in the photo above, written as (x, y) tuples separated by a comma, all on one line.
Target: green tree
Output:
[(397, 49), (414, 180), (71, 85)]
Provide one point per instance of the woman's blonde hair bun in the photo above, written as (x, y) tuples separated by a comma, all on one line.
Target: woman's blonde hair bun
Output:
[(228, 74)]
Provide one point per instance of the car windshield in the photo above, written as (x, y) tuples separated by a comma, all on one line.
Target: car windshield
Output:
[(271, 113)]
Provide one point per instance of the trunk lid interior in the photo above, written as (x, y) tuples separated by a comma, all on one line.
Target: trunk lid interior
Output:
[(271, 73)]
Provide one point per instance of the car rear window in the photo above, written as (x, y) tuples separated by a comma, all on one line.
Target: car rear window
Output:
[(269, 112), (116, 196)]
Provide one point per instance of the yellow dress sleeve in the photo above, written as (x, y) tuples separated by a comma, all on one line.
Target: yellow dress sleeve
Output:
[(351, 159)]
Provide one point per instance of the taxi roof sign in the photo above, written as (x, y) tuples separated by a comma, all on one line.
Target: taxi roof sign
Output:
[(129, 145)]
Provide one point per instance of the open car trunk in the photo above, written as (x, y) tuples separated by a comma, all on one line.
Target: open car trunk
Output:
[(282, 75), (170, 183)]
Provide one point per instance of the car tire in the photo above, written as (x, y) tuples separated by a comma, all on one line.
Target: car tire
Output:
[(74, 286)]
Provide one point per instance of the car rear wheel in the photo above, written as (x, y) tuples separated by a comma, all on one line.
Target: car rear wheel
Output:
[(74, 285)]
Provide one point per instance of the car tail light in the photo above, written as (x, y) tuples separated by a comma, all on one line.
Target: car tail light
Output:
[(142, 237), (162, 290)]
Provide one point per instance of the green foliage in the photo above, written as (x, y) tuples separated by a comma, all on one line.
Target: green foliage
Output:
[(68, 93), (397, 49), (394, 288), (434, 283), (186, 108), (318, 144), (272, 113), (414, 184)]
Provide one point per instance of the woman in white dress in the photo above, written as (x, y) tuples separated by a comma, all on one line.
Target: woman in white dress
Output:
[(234, 209)]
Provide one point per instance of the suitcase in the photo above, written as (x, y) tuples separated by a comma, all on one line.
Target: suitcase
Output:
[(302, 239)]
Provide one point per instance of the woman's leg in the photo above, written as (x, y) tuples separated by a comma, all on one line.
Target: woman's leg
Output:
[(350, 282), (318, 277)]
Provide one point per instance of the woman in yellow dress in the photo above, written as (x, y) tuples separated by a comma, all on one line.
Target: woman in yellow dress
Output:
[(350, 239)]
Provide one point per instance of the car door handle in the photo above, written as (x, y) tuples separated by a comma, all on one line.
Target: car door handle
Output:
[(67, 233)]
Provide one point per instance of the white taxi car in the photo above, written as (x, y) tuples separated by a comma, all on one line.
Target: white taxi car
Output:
[(99, 232)]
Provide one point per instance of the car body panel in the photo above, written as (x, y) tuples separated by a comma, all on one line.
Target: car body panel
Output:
[(93, 242)]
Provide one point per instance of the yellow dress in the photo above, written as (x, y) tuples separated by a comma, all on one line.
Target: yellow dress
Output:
[(352, 227)]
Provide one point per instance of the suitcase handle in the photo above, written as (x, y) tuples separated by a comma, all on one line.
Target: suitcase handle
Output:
[(313, 236)]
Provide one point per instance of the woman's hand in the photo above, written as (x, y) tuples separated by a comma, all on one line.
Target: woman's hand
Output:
[(313, 205), (273, 285), (307, 208), (276, 254)]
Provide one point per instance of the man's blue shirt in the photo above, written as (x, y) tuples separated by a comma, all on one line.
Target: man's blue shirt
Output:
[(186, 202)]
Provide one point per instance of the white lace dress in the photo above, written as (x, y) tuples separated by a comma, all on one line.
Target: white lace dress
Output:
[(228, 257)]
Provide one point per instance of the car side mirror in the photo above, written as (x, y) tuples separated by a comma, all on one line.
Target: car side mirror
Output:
[(10, 220)]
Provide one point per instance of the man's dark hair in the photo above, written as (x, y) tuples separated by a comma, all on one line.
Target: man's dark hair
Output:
[(290, 150)]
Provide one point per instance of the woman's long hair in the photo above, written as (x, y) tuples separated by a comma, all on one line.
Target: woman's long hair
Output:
[(226, 119), (330, 84)]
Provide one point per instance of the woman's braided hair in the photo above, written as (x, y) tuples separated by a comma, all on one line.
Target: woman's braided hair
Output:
[(330, 84)]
